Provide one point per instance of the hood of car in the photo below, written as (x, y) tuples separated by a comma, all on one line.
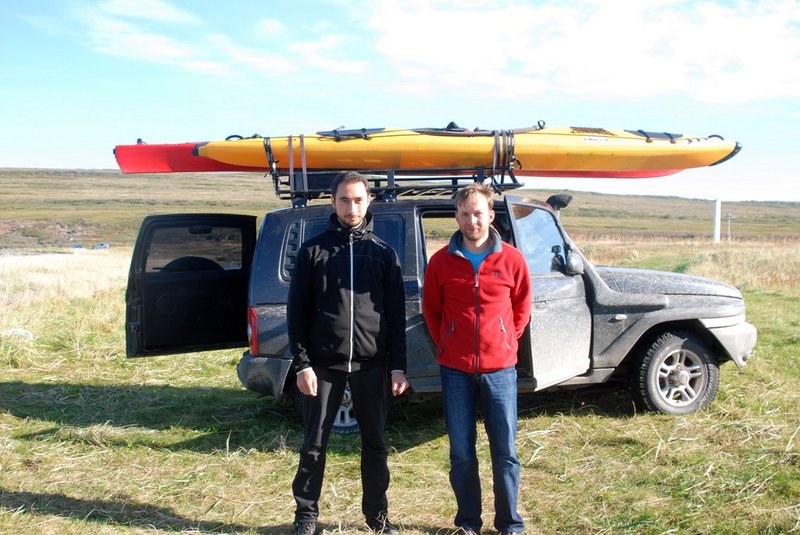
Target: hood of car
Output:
[(645, 281)]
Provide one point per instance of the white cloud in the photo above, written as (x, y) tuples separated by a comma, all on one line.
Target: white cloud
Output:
[(270, 27), (159, 10), (711, 51), (317, 53), (708, 50), (114, 30), (255, 59), (118, 37)]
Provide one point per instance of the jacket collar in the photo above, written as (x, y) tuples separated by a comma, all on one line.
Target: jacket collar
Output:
[(343, 231), (457, 242)]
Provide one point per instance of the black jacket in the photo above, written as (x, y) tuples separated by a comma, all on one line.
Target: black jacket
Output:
[(347, 302)]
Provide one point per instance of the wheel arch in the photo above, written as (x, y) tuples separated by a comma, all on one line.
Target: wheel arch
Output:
[(655, 331)]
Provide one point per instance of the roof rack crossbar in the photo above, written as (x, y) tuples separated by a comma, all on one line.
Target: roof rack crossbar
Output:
[(389, 184)]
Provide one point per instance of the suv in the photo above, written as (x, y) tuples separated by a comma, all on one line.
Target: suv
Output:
[(205, 281)]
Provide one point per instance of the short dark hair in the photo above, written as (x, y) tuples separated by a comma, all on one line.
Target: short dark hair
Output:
[(348, 177), (474, 190)]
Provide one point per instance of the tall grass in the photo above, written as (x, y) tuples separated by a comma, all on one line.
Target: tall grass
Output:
[(765, 265), (92, 442)]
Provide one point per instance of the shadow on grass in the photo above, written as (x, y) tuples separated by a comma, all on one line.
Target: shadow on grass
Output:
[(216, 419), (211, 418), (611, 400), (127, 512), (122, 511)]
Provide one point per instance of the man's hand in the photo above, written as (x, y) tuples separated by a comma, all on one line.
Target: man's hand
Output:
[(399, 383), (307, 382)]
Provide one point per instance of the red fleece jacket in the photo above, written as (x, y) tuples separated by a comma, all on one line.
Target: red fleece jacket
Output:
[(476, 319)]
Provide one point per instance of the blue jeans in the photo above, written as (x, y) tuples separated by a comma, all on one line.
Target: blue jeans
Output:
[(497, 394)]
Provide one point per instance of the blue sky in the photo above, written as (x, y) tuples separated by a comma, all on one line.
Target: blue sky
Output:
[(82, 76)]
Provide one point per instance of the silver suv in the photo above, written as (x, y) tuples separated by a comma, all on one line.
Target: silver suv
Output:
[(205, 281)]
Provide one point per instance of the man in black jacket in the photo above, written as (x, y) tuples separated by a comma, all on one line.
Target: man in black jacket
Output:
[(346, 325)]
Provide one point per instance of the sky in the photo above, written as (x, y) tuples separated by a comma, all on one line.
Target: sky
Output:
[(80, 76)]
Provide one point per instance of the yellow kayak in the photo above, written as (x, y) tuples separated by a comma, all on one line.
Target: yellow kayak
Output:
[(538, 151)]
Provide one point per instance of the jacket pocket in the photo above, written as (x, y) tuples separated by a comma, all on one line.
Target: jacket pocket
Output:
[(505, 332), (449, 332)]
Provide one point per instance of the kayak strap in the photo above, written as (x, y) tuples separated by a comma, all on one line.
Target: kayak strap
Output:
[(650, 136), (503, 157), (299, 191), (303, 161), (292, 178), (273, 167)]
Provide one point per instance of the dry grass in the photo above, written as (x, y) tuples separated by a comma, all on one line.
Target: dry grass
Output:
[(92, 442), (767, 265)]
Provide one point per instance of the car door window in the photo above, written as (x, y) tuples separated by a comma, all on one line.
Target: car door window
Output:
[(539, 239), (195, 248)]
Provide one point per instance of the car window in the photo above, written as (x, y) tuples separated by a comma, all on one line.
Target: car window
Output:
[(440, 225), (437, 228), (539, 238), (388, 227), (195, 248)]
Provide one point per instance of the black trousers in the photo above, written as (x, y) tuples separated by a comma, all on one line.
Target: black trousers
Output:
[(368, 389)]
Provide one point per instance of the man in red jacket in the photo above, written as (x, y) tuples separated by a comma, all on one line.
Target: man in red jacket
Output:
[(477, 303)]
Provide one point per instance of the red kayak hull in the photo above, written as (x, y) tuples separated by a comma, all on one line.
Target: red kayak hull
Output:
[(169, 158)]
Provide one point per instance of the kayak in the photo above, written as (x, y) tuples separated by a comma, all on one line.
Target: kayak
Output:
[(537, 151), (534, 151)]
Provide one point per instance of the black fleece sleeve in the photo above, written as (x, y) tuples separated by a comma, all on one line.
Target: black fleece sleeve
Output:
[(394, 307), (299, 309)]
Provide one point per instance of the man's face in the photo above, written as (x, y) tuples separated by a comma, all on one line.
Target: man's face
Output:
[(474, 218), (351, 203)]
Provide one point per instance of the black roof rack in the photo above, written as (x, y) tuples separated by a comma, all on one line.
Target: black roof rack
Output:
[(388, 185)]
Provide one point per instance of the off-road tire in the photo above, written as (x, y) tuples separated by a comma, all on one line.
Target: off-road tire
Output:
[(676, 374)]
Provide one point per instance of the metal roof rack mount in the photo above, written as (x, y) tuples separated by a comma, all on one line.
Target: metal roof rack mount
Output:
[(388, 185)]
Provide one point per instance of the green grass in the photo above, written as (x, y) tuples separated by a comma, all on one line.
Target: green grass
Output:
[(92, 442)]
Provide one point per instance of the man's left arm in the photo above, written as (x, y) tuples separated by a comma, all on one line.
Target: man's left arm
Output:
[(521, 296), (394, 308)]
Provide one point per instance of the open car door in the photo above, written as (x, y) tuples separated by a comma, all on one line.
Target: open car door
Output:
[(561, 320), (188, 284)]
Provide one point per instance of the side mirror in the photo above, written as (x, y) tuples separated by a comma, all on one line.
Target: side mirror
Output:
[(574, 263)]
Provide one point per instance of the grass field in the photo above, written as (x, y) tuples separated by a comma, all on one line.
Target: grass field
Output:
[(92, 442)]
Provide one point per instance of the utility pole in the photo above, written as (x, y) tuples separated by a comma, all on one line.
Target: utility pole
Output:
[(728, 218)]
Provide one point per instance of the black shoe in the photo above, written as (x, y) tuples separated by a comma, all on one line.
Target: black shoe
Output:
[(466, 531), (305, 528), (382, 525)]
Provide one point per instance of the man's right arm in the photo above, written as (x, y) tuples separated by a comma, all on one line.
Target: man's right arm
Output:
[(432, 300), (298, 311)]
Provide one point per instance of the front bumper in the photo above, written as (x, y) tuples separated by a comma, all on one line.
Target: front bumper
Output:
[(737, 338)]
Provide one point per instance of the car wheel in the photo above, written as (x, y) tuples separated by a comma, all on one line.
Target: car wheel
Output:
[(676, 374), (345, 423)]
